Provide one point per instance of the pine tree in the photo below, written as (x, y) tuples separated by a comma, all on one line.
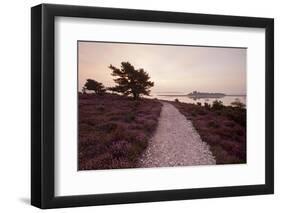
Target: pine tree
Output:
[(97, 87), (131, 81)]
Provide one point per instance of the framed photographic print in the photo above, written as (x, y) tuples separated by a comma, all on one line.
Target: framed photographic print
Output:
[(139, 106)]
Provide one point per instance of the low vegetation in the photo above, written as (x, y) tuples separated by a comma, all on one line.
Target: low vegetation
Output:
[(222, 127), (114, 130)]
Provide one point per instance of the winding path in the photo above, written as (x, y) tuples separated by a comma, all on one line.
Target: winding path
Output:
[(175, 142)]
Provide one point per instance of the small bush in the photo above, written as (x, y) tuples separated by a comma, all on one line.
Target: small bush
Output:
[(217, 105), (193, 113), (207, 106), (237, 103)]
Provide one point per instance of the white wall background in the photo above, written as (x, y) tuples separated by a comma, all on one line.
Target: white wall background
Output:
[(15, 105)]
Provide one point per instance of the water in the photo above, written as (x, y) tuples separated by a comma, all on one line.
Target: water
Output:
[(226, 100)]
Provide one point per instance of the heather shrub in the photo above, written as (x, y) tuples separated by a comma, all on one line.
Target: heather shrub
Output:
[(193, 113), (222, 127), (129, 117), (119, 133), (120, 148), (107, 127), (100, 108), (114, 130), (212, 139), (201, 111), (149, 125), (213, 124), (236, 114), (229, 123)]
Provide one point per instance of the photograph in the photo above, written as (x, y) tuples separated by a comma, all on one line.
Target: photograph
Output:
[(160, 105), (141, 105)]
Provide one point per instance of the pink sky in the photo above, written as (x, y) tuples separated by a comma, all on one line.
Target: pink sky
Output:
[(181, 69)]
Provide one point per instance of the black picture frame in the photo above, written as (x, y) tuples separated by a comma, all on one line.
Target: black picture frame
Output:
[(43, 117)]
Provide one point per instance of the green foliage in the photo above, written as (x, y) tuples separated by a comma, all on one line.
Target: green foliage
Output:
[(95, 86), (131, 81)]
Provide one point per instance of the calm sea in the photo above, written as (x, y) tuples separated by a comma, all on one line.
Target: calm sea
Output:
[(226, 100)]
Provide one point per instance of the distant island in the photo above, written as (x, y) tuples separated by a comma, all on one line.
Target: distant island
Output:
[(198, 95), (202, 95)]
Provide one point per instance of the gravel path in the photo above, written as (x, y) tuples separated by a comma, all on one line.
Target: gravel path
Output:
[(175, 143)]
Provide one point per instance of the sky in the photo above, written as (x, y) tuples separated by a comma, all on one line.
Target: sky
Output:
[(176, 69)]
